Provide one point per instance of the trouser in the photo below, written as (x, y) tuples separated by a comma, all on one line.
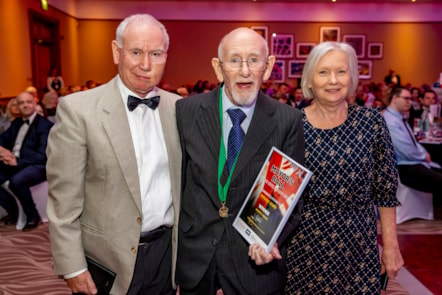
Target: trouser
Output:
[(421, 178), (152, 274), (20, 182)]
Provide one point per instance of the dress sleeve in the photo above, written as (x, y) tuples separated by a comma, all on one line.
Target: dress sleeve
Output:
[(385, 174)]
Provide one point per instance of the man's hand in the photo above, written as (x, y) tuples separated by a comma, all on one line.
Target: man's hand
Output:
[(7, 157), (258, 254), (82, 283), (427, 157)]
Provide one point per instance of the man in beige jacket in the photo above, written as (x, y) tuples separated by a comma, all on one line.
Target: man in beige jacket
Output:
[(114, 171)]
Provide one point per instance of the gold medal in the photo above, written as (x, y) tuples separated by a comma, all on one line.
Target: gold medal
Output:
[(223, 211)]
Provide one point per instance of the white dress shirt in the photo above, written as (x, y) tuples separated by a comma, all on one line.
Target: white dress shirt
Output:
[(152, 161), (21, 136)]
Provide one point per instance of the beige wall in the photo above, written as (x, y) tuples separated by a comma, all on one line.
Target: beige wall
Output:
[(15, 45), (413, 49)]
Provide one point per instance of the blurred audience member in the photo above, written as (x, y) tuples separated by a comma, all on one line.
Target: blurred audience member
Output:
[(23, 160), (429, 98), (182, 91), (416, 169), (90, 84), (50, 101), (41, 110), (55, 81), (12, 112), (32, 90), (301, 101), (392, 79)]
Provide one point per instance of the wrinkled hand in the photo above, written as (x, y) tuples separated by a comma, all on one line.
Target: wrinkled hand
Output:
[(82, 283), (259, 255), (391, 262)]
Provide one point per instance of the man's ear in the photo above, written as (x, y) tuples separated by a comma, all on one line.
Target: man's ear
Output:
[(115, 52), (216, 65), (269, 67)]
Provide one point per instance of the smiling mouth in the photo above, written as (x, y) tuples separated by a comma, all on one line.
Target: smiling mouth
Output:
[(244, 84)]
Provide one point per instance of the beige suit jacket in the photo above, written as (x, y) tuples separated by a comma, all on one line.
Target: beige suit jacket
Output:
[(94, 205)]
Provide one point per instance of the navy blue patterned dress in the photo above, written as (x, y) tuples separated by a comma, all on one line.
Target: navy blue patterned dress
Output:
[(335, 249)]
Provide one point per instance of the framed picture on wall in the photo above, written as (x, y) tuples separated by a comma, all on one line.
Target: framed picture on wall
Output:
[(303, 49), (358, 43), (375, 50), (295, 68), (262, 30), (365, 68), (278, 71), (329, 34), (282, 45)]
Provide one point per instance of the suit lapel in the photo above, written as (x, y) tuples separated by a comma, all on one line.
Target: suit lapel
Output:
[(116, 124), (209, 124)]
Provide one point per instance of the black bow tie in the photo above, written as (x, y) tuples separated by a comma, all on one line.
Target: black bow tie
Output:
[(133, 102), (26, 122)]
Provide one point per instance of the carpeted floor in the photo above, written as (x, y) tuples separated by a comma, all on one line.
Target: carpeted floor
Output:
[(26, 268)]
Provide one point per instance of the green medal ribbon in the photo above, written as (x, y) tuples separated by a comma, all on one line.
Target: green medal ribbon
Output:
[(222, 190)]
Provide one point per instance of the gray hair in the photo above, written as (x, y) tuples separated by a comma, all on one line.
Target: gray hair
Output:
[(140, 18), (221, 43), (317, 53)]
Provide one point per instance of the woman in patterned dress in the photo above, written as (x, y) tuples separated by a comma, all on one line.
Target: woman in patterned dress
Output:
[(349, 150)]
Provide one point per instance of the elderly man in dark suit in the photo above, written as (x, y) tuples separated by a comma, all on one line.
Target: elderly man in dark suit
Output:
[(23, 160), (217, 179)]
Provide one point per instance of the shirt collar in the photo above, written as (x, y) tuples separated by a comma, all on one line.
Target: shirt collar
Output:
[(394, 113), (32, 117), (125, 92)]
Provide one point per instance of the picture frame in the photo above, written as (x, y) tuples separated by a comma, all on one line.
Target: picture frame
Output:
[(261, 30), (375, 50), (329, 34), (278, 71), (282, 45), (303, 49), (365, 68), (295, 68), (357, 42)]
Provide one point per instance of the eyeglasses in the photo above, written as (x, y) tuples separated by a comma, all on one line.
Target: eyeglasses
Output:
[(235, 63), (409, 98), (155, 57)]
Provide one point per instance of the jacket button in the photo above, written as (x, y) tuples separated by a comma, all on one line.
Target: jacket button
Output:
[(214, 242), (139, 220), (134, 250)]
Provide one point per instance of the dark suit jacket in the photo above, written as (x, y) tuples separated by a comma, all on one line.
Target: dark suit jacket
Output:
[(33, 149), (200, 226)]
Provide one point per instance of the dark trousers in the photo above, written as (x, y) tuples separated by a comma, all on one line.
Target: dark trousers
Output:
[(221, 274), (20, 182), (152, 274), (422, 179)]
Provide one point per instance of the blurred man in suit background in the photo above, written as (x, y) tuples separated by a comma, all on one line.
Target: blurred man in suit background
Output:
[(23, 160)]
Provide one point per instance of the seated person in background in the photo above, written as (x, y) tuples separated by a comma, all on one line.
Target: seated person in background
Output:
[(416, 169), (32, 90), (41, 110), (282, 93), (50, 101), (416, 95), (428, 98), (12, 112), (182, 91), (392, 79), (23, 160), (300, 101), (55, 81)]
